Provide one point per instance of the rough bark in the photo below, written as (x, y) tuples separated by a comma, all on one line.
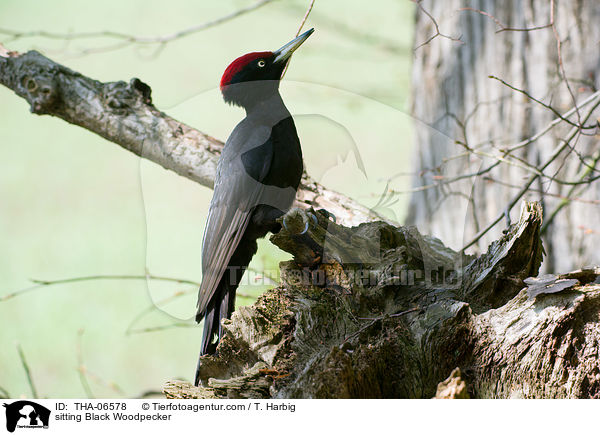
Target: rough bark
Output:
[(452, 388), (455, 100), (372, 310), (382, 311), (123, 113)]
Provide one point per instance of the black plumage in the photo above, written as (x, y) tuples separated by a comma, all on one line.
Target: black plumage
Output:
[(257, 177)]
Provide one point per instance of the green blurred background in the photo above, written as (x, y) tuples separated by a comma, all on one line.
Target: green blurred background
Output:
[(74, 205)]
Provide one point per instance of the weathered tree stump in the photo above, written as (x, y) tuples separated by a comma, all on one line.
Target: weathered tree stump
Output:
[(382, 311)]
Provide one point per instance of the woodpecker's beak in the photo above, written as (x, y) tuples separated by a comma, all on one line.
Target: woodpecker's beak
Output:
[(284, 53)]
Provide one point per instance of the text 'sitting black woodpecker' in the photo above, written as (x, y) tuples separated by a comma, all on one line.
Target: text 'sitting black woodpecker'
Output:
[(257, 177)]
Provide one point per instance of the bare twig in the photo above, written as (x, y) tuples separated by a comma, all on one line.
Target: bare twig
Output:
[(308, 11), (147, 310), (567, 198), (570, 196), (110, 385), (151, 134), (81, 367), (437, 28), (112, 277), (127, 39), (4, 394), (163, 327), (554, 122), (506, 152), (153, 307), (572, 135), (547, 106), (561, 65), (27, 371), (503, 28), (350, 31), (85, 373), (40, 284)]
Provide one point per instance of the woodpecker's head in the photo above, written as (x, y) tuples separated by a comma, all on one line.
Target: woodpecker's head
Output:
[(254, 77)]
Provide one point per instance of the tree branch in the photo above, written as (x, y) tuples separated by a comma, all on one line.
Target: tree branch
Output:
[(27, 371), (125, 39), (437, 28), (123, 113)]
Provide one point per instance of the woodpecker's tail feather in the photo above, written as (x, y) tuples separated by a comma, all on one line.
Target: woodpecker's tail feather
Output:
[(222, 303), (220, 307), (211, 328)]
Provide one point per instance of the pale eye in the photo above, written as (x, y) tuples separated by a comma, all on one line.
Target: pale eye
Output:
[(261, 63)]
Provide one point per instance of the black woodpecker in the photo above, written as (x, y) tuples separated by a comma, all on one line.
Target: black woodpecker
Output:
[(256, 181)]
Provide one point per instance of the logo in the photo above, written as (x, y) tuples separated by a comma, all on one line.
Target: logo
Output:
[(26, 414)]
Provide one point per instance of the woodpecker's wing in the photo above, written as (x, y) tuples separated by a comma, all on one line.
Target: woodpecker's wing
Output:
[(236, 193)]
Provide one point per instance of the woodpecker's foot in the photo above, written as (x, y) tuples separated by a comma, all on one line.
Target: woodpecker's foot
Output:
[(328, 214), (297, 221), (314, 219)]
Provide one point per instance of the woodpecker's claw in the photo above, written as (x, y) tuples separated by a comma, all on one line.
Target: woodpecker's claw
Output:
[(306, 225), (307, 222), (314, 218), (329, 215), (291, 221)]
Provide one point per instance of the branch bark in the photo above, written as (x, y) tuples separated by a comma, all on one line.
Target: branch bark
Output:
[(369, 311), (123, 113)]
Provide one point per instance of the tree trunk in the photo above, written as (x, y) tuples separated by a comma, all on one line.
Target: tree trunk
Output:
[(380, 311), (371, 310), (455, 100)]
